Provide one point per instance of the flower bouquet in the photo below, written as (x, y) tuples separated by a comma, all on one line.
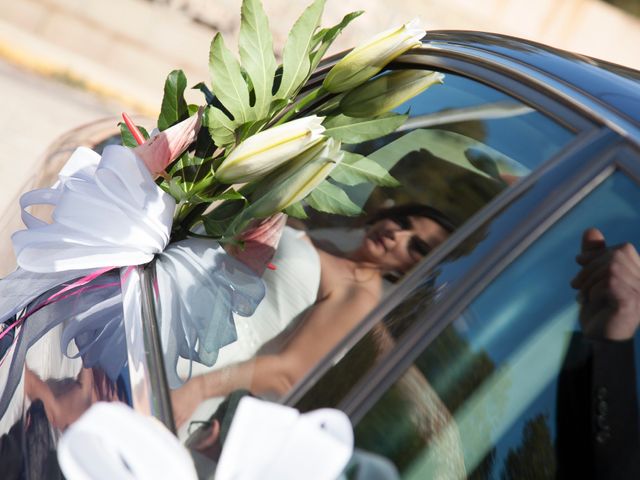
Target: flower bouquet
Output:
[(214, 179)]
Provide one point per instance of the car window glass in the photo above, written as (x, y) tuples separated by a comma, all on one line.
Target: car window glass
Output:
[(463, 143), (492, 117), (455, 153), (481, 399)]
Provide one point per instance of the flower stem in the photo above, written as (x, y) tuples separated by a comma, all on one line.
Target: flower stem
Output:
[(192, 217), (302, 104)]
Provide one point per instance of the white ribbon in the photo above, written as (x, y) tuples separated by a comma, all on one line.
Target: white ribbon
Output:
[(108, 212), (199, 287), (270, 441), (112, 442)]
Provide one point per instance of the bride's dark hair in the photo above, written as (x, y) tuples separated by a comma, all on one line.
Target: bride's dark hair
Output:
[(400, 212)]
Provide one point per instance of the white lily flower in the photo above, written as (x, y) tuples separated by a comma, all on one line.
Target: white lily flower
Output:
[(386, 92), (298, 179), (265, 151), (367, 60)]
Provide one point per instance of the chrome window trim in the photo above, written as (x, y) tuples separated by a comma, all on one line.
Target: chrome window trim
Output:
[(504, 79), (627, 165), (161, 401), (529, 75), (566, 195), (149, 389)]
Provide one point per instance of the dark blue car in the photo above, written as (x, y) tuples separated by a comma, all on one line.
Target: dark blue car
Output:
[(525, 146)]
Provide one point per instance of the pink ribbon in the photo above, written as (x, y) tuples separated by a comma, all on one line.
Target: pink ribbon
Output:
[(56, 297)]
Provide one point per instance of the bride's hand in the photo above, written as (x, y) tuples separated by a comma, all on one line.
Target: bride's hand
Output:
[(185, 400)]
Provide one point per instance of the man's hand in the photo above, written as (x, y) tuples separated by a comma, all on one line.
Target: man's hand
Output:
[(609, 285)]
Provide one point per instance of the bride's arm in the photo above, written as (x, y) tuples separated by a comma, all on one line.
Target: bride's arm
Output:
[(324, 327), (260, 375)]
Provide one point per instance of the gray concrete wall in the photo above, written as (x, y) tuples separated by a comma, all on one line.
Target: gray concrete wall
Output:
[(125, 48)]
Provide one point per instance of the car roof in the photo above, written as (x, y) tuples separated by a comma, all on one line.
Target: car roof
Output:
[(612, 86)]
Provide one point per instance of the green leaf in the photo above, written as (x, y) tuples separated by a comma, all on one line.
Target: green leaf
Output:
[(483, 162), (256, 53), (173, 187), (227, 82), (330, 106), (356, 130), (185, 160), (127, 137), (208, 95), (355, 169), (330, 198), (230, 194), (326, 37), (221, 128), (214, 228), (296, 211), (278, 105), (295, 58), (248, 129), (191, 169), (174, 107), (205, 146), (195, 169), (225, 218)]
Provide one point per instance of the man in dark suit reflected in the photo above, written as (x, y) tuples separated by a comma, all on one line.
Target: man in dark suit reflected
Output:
[(598, 424)]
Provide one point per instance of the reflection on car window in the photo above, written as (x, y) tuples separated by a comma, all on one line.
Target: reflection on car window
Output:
[(491, 117), (462, 144), (485, 390), (457, 151)]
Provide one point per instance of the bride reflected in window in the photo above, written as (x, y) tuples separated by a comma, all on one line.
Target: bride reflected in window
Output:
[(348, 286)]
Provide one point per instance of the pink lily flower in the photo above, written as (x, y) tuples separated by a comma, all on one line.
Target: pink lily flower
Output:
[(260, 242), (164, 148)]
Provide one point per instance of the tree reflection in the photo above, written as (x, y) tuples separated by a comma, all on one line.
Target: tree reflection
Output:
[(534, 458)]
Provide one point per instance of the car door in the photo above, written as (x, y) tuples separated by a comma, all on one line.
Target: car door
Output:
[(457, 372), (463, 143), (470, 384), (433, 158)]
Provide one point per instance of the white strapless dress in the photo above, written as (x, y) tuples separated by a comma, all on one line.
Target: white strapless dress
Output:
[(290, 290)]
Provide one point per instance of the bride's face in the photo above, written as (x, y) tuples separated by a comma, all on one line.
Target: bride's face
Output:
[(398, 244)]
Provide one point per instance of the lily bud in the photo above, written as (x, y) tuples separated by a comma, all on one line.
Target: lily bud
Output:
[(164, 148), (385, 93), (367, 60), (297, 180), (265, 151)]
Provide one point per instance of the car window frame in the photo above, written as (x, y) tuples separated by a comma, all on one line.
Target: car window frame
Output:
[(496, 75), (492, 73), (611, 157), (591, 108)]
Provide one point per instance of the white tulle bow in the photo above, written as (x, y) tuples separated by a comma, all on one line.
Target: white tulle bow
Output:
[(108, 212)]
